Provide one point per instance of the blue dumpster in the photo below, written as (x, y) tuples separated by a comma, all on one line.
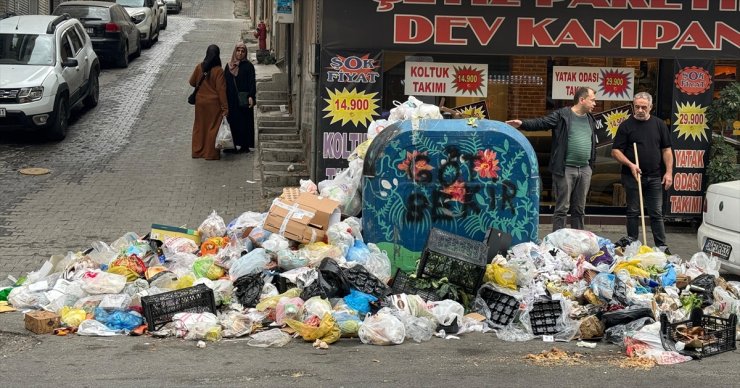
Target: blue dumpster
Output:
[(461, 176)]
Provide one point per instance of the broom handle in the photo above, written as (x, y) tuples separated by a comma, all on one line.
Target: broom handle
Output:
[(639, 187)]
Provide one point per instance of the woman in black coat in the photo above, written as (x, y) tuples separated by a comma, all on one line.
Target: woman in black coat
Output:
[(240, 79)]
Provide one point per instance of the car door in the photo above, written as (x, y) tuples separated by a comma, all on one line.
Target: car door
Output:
[(71, 47)]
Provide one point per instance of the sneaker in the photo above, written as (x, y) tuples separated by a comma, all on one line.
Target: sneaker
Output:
[(665, 250)]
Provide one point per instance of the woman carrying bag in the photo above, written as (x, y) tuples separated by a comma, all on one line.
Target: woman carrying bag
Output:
[(241, 91), (211, 105)]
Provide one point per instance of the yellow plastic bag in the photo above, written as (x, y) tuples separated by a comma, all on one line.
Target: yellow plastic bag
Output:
[(272, 301), (328, 330), (503, 276), (185, 282), (127, 272), (633, 267), (72, 317)]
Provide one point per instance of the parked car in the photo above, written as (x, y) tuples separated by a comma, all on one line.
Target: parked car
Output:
[(162, 9), (114, 36), (173, 5), (145, 14), (47, 65), (719, 233)]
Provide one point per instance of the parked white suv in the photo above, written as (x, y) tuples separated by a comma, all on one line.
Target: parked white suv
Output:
[(145, 14), (719, 233), (47, 65)]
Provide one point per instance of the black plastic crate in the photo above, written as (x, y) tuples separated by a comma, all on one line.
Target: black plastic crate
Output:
[(718, 333), (461, 260), (403, 284), (159, 309), (502, 306), (544, 317)]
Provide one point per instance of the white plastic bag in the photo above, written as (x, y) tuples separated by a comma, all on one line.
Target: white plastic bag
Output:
[(197, 323), (574, 242), (446, 311), (99, 282), (378, 263), (91, 327), (265, 339), (251, 263), (382, 329), (213, 226), (224, 140)]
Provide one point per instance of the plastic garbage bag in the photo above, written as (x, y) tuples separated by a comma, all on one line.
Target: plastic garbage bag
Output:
[(205, 267), (500, 274), (270, 338), (289, 259), (243, 225), (72, 317), (359, 301), (237, 324), (340, 236), (418, 329), (703, 285), (345, 188), (275, 243), (382, 329), (249, 264), (574, 242), (119, 319), (657, 259), (378, 263), (603, 286), (91, 327), (363, 280), (331, 282), (197, 326), (629, 314), (102, 253), (317, 251), (272, 302), (248, 288), (98, 282), (668, 278), (327, 331), (447, 311), (212, 226), (358, 252), (174, 245), (316, 306), (288, 308), (704, 264), (646, 343), (616, 334), (131, 262), (23, 298)]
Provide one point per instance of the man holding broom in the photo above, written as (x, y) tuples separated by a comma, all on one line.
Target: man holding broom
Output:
[(643, 147)]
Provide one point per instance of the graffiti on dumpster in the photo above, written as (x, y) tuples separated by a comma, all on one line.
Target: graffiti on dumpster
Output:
[(463, 184)]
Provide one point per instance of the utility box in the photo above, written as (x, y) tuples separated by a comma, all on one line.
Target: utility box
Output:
[(461, 176)]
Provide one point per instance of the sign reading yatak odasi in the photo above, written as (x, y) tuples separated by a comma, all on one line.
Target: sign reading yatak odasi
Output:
[(446, 79), (610, 83)]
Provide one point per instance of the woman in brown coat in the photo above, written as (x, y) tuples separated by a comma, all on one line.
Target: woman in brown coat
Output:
[(211, 105)]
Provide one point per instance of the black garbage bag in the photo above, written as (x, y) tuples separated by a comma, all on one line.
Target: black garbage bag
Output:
[(627, 315), (703, 287), (331, 282), (363, 280), (620, 291), (615, 334), (248, 289)]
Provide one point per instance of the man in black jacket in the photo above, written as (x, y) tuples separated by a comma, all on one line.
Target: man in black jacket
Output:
[(572, 155)]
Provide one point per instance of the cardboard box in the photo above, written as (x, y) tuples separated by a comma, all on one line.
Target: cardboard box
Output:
[(304, 220), (41, 322), (161, 232), (290, 193)]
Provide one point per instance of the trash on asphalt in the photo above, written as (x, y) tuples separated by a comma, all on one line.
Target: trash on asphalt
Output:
[(303, 271)]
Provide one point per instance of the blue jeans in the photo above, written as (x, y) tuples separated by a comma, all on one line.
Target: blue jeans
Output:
[(570, 195), (652, 195)]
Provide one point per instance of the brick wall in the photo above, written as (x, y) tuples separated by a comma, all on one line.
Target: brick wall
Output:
[(528, 100)]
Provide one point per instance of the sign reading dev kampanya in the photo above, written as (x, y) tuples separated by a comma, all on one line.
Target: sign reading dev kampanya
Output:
[(446, 79)]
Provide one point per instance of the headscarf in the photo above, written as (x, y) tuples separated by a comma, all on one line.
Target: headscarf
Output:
[(212, 59), (234, 63)]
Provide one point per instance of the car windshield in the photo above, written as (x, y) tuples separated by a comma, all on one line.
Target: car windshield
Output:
[(26, 49), (84, 13), (131, 3)]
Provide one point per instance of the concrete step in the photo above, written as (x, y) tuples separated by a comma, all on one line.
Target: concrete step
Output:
[(271, 107), (283, 179), (271, 167), (281, 155), (277, 130), (279, 82), (277, 123), (284, 144), (263, 95), (272, 102), (268, 137)]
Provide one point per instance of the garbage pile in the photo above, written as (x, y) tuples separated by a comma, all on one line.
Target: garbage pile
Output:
[(302, 269)]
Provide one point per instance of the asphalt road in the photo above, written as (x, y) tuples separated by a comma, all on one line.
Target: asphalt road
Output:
[(126, 164)]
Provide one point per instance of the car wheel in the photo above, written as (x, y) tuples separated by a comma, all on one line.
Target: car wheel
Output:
[(179, 8), (150, 40), (58, 129), (137, 53), (164, 26), (93, 94), (123, 59)]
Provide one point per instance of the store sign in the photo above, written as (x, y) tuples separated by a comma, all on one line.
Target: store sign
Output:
[(350, 89), (446, 79), (284, 11), (610, 83), (608, 122), (690, 136), (704, 29)]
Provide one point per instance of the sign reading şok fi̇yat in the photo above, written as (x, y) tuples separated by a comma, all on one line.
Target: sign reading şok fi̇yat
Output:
[(446, 79), (610, 83)]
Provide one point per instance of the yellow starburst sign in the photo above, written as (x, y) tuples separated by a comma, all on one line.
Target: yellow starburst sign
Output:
[(473, 111), (353, 106), (613, 120), (691, 121)]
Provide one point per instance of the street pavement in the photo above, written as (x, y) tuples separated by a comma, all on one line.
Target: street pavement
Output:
[(126, 164)]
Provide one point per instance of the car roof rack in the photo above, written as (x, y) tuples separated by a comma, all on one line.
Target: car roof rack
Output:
[(54, 23)]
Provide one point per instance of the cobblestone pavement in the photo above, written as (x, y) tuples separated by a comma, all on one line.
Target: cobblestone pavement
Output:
[(126, 163)]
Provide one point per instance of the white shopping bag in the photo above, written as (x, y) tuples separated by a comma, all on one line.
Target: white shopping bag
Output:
[(224, 140)]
